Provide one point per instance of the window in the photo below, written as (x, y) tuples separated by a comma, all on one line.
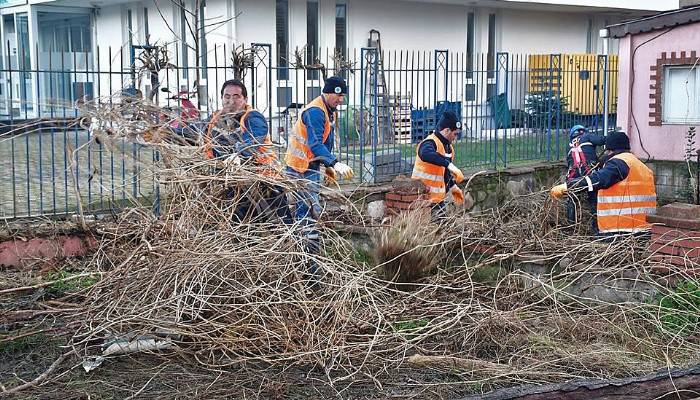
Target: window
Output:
[(341, 28), (312, 92), (589, 36), (681, 100), (491, 56), (470, 44), (341, 34), (470, 92), (312, 37), (282, 36), (284, 97), (129, 28), (145, 23)]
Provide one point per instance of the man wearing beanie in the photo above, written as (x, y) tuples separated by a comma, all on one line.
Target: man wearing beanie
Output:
[(434, 164), (626, 191), (310, 148)]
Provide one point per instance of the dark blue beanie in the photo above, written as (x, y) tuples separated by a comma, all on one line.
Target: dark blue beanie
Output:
[(617, 141), (335, 84), (449, 120)]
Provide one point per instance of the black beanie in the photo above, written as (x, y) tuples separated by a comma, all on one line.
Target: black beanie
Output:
[(617, 141), (335, 84), (448, 120)]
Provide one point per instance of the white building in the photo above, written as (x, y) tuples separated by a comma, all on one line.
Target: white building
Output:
[(91, 39)]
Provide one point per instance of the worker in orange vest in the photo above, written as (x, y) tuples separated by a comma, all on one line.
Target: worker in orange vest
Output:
[(310, 149), (239, 134), (626, 191), (435, 164)]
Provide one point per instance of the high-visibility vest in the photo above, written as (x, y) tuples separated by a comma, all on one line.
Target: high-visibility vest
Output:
[(432, 176), (262, 153), (624, 206), (299, 154)]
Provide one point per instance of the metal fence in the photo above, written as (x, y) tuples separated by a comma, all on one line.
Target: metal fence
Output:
[(514, 109)]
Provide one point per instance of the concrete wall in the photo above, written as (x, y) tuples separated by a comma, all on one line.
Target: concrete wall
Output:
[(638, 53)]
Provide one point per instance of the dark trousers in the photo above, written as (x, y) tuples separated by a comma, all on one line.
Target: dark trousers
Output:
[(574, 202), (272, 202)]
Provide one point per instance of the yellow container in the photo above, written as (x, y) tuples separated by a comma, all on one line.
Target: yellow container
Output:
[(577, 80)]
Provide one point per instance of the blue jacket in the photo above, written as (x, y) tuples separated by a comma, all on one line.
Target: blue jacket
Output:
[(427, 151), (256, 132), (227, 143), (612, 172), (315, 121), (588, 142)]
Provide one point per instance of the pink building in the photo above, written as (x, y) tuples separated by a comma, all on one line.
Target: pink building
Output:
[(659, 90)]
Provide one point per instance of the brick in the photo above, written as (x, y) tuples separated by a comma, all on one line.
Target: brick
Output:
[(673, 54), (664, 248), (664, 55), (674, 222), (693, 53), (682, 54), (680, 210), (411, 198), (654, 123), (653, 67), (672, 232), (392, 196), (675, 260), (652, 87), (680, 242)]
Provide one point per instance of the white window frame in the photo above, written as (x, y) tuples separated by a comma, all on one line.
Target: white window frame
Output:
[(693, 116)]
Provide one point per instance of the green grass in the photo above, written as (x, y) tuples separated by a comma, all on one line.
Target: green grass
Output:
[(410, 325), (21, 344), (73, 285), (483, 152), (679, 310)]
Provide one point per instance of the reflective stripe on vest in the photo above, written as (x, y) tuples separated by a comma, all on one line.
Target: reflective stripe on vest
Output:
[(624, 206), (432, 176), (299, 154)]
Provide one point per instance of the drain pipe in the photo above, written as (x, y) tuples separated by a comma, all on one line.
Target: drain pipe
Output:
[(606, 42)]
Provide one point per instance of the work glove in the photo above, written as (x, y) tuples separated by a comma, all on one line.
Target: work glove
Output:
[(456, 173), (343, 170), (558, 191), (457, 195), (330, 176)]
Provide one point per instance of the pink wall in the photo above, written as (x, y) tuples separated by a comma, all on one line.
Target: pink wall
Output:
[(666, 142)]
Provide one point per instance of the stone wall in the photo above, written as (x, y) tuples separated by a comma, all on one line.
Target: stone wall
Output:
[(487, 189), (673, 181)]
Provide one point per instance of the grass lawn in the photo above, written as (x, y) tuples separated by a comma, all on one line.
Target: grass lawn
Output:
[(484, 152)]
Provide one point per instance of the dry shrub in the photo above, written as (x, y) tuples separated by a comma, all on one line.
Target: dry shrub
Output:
[(410, 248)]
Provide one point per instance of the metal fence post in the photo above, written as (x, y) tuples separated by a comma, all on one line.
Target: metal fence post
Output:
[(501, 68), (599, 106), (368, 81), (440, 67), (553, 100)]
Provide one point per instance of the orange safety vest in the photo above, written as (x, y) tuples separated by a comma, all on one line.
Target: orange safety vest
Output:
[(624, 206), (432, 176), (299, 154), (262, 154)]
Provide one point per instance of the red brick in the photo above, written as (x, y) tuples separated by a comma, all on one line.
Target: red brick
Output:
[(674, 222), (411, 198), (693, 53), (654, 123), (673, 232), (675, 260), (673, 54), (392, 196), (693, 254), (680, 210)]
